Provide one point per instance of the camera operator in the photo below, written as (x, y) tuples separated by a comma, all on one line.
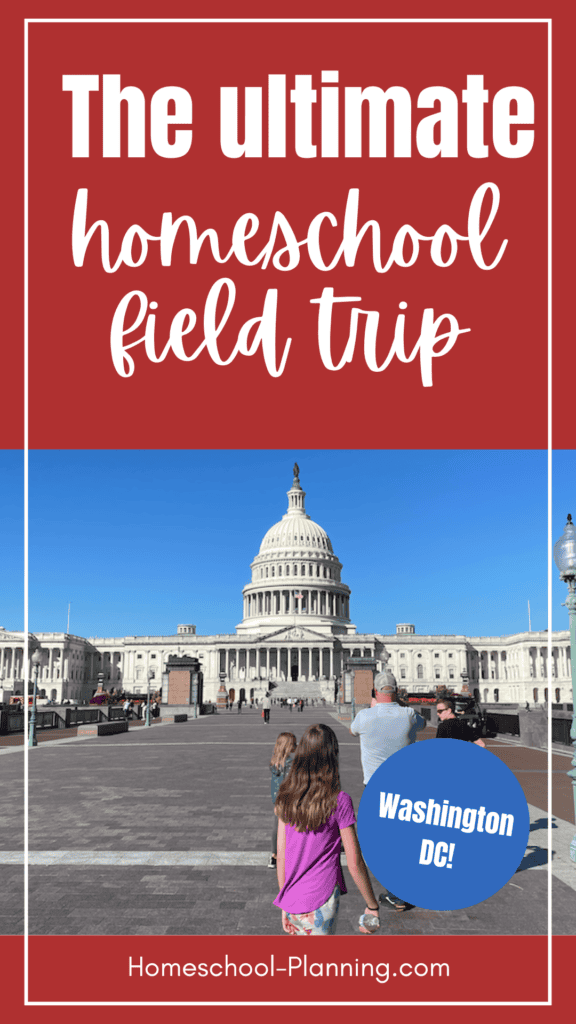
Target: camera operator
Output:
[(453, 727)]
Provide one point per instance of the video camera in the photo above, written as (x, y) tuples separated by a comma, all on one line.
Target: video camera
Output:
[(470, 709)]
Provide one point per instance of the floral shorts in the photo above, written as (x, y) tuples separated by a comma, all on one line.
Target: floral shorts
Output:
[(319, 922)]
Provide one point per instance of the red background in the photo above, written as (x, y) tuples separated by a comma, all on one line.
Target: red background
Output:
[(487, 953), (80, 401), (482, 968), (490, 391)]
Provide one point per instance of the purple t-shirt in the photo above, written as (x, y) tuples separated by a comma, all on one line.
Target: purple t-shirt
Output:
[(313, 862)]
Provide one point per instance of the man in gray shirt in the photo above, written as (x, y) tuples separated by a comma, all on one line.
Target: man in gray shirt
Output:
[(384, 728)]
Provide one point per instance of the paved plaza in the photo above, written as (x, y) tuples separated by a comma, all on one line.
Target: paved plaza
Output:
[(167, 831)]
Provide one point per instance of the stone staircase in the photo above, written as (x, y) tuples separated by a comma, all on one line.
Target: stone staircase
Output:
[(308, 690)]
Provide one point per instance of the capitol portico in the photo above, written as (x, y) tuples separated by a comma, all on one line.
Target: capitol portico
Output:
[(296, 632)]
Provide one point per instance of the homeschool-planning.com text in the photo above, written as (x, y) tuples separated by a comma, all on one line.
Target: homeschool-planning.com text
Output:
[(293, 966)]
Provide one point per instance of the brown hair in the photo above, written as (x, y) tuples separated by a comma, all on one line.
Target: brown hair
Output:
[(285, 744), (308, 796), (450, 705)]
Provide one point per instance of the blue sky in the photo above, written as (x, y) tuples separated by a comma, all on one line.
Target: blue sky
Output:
[(138, 541)]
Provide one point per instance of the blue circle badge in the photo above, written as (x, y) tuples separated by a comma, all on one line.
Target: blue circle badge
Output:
[(443, 825)]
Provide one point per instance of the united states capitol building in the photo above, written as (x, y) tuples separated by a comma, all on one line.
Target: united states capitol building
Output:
[(296, 632)]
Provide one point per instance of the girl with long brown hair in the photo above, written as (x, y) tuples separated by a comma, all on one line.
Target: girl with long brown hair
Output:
[(314, 815), (280, 764)]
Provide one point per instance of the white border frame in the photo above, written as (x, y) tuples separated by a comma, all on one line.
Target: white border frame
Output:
[(286, 20)]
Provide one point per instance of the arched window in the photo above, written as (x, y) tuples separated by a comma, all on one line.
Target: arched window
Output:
[(535, 694), (546, 694), (287, 570), (302, 569), (496, 695), (279, 570), (557, 692), (420, 671)]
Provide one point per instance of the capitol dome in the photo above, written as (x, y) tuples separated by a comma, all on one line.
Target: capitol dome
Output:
[(295, 529), (296, 577)]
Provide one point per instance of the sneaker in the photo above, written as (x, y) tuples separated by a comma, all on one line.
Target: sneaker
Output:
[(272, 862), (389, 900)]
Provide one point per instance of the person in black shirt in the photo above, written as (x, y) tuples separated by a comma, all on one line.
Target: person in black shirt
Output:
[(450, 727)]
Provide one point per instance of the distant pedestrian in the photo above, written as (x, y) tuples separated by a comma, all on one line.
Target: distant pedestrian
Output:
[(266, 705), (155, 709), (240, 706), (280, 765)]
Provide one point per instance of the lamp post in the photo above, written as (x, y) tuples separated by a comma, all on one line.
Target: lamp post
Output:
[(150, 678), (565, 558), (36, 662)]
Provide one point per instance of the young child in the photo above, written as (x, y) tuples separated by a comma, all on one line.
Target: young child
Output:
[(280, 765), (313, 816)]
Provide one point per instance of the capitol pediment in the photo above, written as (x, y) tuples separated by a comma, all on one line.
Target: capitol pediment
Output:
[(15, 638), (300, 634)]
